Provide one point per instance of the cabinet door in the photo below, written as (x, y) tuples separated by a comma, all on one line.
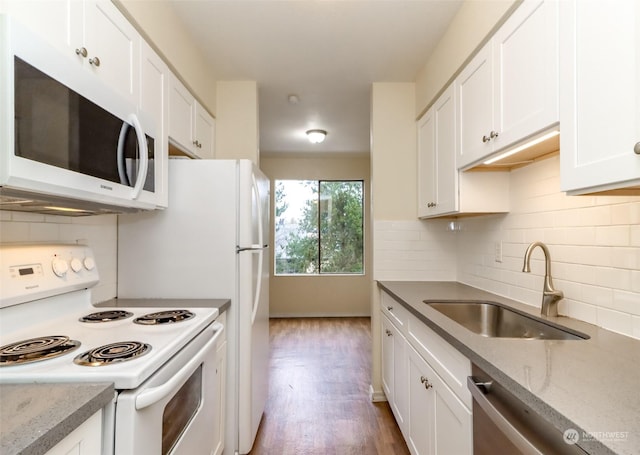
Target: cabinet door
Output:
[(526, 72), (475, 105), (204, 134), (600, 95), (387, 358), (426, 164), (113, 47), (59, 21), (181, 114), (446, 175), (439, 422), (421, 409), (154, 85), (453, 422)]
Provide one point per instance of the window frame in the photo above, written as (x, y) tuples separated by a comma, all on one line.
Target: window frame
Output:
[(318, 226)]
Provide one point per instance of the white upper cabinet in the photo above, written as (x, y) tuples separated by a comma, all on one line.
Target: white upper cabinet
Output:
[(437, 173), (93, 33), (443, 189), (154, 93), (113, 47), (191, 127), (600, 95), (509, 91), (204, 133)]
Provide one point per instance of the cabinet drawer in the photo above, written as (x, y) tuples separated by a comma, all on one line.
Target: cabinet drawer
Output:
[(396, 313), (447, 361)]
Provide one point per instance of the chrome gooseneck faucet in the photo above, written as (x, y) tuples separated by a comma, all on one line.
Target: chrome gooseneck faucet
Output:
[(550, 296)]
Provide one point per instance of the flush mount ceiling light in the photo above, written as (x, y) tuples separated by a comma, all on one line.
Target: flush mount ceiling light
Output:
[(316, 136)]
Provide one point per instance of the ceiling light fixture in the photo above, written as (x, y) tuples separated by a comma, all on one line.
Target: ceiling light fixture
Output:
[(316, 136)]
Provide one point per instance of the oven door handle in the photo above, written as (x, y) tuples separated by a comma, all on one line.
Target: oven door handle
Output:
[(155, 394), (509, 430)]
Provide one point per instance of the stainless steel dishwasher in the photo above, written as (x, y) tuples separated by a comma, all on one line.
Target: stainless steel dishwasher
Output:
[(502, 424)]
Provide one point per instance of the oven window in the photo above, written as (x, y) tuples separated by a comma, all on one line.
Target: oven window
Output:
[(180, 410)]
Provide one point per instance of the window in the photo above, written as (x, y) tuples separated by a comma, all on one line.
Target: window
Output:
[(319, 227)]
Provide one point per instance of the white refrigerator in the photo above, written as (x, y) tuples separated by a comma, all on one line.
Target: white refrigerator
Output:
[(211, 242)]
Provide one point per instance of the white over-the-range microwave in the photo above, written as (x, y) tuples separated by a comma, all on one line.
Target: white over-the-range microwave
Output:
[(69, 144)]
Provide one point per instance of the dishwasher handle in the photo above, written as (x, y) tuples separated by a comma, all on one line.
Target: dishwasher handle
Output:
[(509, 430)]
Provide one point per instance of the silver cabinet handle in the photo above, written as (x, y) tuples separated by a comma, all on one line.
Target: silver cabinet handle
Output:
[(95, 61), (197, 144), (493, 134), (636, 148), (425, 381), (388, 332), (486, 139), (82, 51), (507, 428), (389, 308), (431, 204)]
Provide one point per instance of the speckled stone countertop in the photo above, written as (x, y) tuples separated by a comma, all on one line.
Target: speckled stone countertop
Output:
[(35, 417), (592, 386), (221, 304)]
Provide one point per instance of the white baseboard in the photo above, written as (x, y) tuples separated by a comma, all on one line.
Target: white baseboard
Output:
[(376, 396)]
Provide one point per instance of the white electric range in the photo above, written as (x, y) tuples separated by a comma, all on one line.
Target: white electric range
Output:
[(161, 361)]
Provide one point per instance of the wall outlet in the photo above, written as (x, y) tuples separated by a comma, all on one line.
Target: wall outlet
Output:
[(498, 251)]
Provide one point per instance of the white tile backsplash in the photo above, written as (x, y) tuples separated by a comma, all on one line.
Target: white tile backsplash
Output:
[(594, 243), (99, 232)]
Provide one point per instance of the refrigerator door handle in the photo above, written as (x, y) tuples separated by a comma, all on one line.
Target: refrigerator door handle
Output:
[(240, 249)]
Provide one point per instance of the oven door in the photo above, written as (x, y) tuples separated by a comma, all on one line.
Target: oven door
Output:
[(174, 412)]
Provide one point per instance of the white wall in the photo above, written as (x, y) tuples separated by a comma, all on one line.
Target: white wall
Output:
[(99, 232)]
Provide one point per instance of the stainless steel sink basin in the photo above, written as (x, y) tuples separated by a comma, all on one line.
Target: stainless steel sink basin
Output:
[(494, 320)]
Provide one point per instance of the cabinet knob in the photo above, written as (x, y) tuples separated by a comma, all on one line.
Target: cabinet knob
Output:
[(425, 381), (431, 204), (389, 308), (388, 332), (493, 134), (486, 139), (81, 51), (636, 148), (95, 61), (197, 144)]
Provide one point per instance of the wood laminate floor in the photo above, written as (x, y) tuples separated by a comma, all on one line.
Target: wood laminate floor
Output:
[(320, 371)]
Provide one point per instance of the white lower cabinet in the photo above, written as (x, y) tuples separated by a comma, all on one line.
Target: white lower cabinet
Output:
[(395, 369), (439, 423), (84, 440), (434, 414)]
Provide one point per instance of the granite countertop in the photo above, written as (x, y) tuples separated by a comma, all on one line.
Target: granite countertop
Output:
[(221, 304), (35, 417), (592, 386)]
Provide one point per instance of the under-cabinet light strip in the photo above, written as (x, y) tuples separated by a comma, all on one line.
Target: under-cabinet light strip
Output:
[(522, 147)]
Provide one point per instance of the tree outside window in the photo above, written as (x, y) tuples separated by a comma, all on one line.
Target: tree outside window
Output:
[(319, 227)]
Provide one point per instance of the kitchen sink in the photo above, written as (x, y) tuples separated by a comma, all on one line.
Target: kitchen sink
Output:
[(495, 320)]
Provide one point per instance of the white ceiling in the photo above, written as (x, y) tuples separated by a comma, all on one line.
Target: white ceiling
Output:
[(327, 52)]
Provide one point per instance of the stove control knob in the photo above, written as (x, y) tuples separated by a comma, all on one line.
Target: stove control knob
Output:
[(89, 263), (76, 265), (60, 267)]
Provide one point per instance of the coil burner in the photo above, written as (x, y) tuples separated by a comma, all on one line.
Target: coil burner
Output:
[(106, 316), (164, 317), (113, 353), (36, 349)]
